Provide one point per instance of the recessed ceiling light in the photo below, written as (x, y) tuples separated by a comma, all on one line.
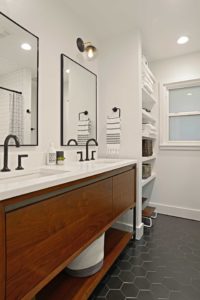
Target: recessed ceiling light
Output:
[(189, 94), (26, 46), (67, 71), (183, 40)]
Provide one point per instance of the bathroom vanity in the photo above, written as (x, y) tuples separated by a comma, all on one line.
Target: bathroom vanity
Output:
[(53, 219)]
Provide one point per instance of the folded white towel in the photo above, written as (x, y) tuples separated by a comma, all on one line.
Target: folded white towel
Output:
[(112, 131), (111, 120), (83, 127), (83, 132), (83, 122), (110, 126)]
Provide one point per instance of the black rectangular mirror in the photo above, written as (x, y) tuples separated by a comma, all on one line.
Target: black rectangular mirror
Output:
[(78, 102), (19, 61)]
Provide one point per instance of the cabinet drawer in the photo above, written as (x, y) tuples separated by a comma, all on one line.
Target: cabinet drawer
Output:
[(42, 238), (123, 192)]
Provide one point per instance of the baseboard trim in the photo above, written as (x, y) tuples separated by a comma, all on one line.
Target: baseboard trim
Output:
[(182, 212), (129, 228), (139, 231)]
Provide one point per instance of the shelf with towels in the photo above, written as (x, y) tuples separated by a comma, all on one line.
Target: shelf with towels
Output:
[(148, 158), (149, 137), (148, 100), (147, 117)]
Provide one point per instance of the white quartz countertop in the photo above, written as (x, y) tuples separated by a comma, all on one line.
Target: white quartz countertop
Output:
[(16, 183)]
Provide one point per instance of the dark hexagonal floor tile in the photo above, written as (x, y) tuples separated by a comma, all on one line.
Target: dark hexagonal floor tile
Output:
[(149, 266), (196, 283), (178, 296), (114, 270), (145, 295), (154, 277), (136, 261), (171, 283), (164, 272), (182, 278), (190, 292), (146, 257), (142, 283), (101, 290), (141, 242), (124, 265), (124, 256), (133, 251), (114, 283), (126, 276), (139, 271), (115, 295), (159, 291), (129, 290), (166, 261)]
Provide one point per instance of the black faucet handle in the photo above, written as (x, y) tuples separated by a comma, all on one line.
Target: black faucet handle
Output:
[(93, 152), (20, 156), (81, 155)]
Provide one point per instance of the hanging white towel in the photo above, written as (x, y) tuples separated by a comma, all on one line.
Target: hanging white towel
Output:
[(83, 131), (113, 135)]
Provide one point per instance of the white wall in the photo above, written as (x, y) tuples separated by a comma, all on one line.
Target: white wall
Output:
[(57, 28), (177, 187), (119, 81)]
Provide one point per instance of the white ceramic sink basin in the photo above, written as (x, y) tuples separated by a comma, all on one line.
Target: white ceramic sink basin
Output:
[(20, 176), (105, 161)]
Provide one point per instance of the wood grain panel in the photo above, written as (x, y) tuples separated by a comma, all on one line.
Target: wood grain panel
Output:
[(123, 192), (2, 253), (43, 238), (72, 288)]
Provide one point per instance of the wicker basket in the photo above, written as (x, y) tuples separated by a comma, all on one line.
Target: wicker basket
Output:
[(146, 171), (147, 147)]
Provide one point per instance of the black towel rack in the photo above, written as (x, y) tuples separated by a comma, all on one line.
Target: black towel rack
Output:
[(82, 113), (115, 109)]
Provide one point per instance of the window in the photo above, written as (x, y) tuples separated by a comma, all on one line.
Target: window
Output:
[(180, 115)]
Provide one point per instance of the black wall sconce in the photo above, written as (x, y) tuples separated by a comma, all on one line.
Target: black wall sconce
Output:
[(86, 47)]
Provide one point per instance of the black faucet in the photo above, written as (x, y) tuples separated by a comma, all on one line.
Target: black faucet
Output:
[(87, 147), (5, 158), (72, 140)]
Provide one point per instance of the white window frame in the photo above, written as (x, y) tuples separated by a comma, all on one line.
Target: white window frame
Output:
[(165, 143)]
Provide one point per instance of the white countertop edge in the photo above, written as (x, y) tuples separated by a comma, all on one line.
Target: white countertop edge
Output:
[(77, 171)]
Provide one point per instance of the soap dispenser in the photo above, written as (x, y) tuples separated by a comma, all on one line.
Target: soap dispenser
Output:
[(51, 155)]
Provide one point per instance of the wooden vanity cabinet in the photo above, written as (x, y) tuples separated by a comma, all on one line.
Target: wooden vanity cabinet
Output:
[(46, 231), (124, 189)]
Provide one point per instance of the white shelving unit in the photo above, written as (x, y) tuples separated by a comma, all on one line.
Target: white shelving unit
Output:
[(149, 179), (148, 158), (149, 137), (149, 108), (147, 117), (148, 100)]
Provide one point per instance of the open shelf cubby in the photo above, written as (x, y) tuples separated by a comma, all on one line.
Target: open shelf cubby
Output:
[(66, 287)]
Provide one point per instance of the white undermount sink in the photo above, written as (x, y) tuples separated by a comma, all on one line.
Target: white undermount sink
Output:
[(105, 161), (20, 176)]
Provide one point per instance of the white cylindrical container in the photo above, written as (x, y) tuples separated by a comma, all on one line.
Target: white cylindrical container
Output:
[(51, 155), (89, 261)]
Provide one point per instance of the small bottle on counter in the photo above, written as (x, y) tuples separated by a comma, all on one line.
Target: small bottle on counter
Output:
[(60, 158), (51, 155)]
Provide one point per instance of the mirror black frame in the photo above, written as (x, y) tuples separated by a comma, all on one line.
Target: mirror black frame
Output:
[(37, 110), (62, 96)]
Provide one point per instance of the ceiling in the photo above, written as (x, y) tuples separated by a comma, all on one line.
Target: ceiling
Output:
[(160, 22)]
